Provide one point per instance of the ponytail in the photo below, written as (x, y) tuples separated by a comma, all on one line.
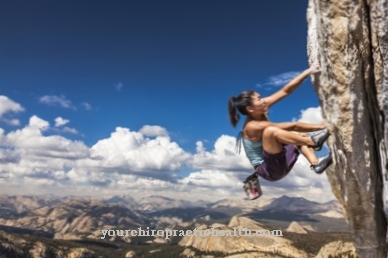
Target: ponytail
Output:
[(234, 116), (238, 106)]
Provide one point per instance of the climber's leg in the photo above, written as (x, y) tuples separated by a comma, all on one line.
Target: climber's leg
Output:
[(307, 151)]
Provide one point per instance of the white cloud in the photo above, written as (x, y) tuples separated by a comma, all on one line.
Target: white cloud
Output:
[(212, 178), (53, 100), (153, 130), (8, 105), (31, 153), (139, 162), (32, 144), (13, 122), (310, 115), (40, 181), (8, 156), (59, 121), (38, 123), (222, 157), (134, 152), (69, 130)]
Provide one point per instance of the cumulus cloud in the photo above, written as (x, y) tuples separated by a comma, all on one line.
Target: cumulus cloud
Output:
[(29, 153), (40, 181), (13, 122), (140, 161), (7, 107), (222, 157), (9, 156), (212, 179), (153, 130), (136, 152), (38, 123), (310, 115), (59, 121), (123, 152), (31, 142), (59, 124), (53, 100), (69, 130)]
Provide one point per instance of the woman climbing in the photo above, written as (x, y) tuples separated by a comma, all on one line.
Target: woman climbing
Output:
[(273, 148)]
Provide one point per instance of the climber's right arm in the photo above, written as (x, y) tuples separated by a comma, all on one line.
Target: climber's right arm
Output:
[(291, 86)]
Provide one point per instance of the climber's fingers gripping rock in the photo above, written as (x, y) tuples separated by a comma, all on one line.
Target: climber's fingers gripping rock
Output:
[(315, 68)]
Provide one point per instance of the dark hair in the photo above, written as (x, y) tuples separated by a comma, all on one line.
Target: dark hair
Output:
[(240, 103)]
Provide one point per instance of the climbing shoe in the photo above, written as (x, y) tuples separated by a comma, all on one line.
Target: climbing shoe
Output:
[(323, 164), (319, 139)]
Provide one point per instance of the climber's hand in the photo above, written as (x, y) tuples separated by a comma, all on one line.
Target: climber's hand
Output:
[(314, 68)]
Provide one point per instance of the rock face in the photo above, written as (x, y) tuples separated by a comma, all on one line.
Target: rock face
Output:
[(336, 248), (234, 244), (349, 39), (15, 246), (296, 228)]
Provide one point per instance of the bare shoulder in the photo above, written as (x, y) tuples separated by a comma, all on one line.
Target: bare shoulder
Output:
[(257, 126), (254, 130)]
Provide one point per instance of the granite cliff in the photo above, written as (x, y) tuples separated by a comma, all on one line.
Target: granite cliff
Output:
[(349, 39)]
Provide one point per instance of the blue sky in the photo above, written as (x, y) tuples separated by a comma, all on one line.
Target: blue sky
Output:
[(155, 68)]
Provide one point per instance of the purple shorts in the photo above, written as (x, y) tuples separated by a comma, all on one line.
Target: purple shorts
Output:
[(276, 166)]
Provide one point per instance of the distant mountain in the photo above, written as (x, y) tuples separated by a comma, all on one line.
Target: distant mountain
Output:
[(232, 202), (156, 203), (302, 206), (194, 214), (280, 212), (80, 219), (184, 214), (292, 204), (16, 204), (123, 200), (333, 205), (77, 217), (243, 204), (200, 203)]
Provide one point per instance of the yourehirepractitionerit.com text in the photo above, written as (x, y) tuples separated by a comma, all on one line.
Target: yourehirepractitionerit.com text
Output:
[(195, 232)]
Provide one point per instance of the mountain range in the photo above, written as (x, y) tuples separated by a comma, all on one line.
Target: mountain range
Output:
[(74, 218), (65, 215)]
